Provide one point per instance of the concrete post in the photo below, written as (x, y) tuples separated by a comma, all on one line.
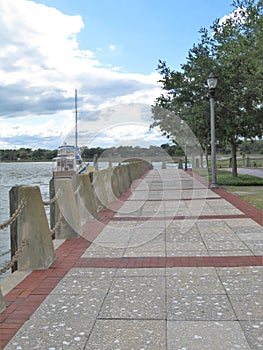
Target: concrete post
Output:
[(99, 188), (85, 199), (163, 164), (31, 226), (115, 183), (126, 177), (110, 160), (2, 303), (64, 212)]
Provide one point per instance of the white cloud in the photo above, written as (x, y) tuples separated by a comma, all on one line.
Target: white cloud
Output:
[(41, 64), (236, 16), (112, 47)]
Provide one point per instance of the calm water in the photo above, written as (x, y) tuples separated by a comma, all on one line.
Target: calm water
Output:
[(11, 174)]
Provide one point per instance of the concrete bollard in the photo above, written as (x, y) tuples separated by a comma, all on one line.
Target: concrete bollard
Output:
[(115, 181), (248, 163), (64, 212), (163, 164), (126, 177), (2, 303), (99, 187), (120, 173), (109, 185), (86, 201), (32, 227)]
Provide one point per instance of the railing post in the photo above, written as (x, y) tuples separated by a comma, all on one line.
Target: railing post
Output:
[(64, 212), (2, 303), (31, 226), (86, 199)]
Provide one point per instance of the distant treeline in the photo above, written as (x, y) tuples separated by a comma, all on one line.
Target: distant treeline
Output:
[(27, 154)]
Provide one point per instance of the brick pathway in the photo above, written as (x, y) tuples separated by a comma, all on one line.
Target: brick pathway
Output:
[(170, 265)]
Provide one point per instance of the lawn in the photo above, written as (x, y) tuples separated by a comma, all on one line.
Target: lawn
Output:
[(247, 187), (251, 194)]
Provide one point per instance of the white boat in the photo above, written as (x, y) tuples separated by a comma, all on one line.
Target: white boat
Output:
[(69, 161)]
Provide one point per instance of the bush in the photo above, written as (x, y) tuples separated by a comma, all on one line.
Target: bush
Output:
[(240, 180)]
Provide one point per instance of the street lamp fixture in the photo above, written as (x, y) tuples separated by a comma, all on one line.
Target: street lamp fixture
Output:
[(212, 82)]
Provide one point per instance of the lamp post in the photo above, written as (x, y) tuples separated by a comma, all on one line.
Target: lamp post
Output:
[(212, 82), (185, 158)]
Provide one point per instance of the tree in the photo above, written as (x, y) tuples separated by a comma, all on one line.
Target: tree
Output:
[(239, 43), (229, 53)]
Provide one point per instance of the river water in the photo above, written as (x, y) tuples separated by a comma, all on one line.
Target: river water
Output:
[(20, 173)]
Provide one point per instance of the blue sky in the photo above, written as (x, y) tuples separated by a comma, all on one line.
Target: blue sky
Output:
[(107, 50)]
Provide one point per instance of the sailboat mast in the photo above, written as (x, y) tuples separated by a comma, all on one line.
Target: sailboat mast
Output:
[(76, 119)]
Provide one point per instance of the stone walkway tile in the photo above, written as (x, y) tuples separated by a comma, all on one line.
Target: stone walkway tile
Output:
[(198, 245), (178, 253), (235, 252), (150, 245), (81, 285), (217, 236), (255, 246), (53, 325), (237, 271), (110, 234), (156, 226), (100, 251), (199, 307), (251, 236), (226, 245), (243, 225), (97, 273), (131, 206), (253, 331), (147, 239), (193, 281), (135, 297), (243, 284), (247, 307), (125, 225), (141, 272), (128, 334), (188, 237), (144, 253), (202, 335)]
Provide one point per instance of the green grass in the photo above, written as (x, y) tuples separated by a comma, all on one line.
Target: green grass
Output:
[(247, 187), (225, 177), (251, 194)]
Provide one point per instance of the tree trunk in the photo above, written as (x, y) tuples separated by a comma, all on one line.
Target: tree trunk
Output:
[(234, 159)]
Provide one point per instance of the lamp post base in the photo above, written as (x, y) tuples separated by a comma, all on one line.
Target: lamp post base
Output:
[(213, 185)]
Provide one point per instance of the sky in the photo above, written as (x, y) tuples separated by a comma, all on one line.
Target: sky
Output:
[(107, 50)]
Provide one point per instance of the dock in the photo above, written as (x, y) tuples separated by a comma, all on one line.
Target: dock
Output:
[(171, 264)]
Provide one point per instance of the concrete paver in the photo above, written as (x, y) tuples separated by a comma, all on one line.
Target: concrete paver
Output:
[(170, 269)]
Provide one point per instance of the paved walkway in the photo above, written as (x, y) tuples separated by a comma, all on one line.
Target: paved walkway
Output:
[(249, 171), (172, 265)]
